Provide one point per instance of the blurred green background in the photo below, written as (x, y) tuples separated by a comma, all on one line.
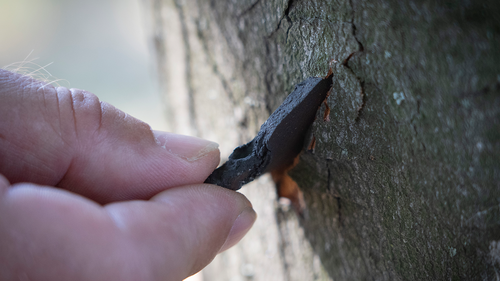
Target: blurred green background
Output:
[(97, 45)]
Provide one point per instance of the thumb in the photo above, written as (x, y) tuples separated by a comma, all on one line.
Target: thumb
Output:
[(69, 139), (185, 228)]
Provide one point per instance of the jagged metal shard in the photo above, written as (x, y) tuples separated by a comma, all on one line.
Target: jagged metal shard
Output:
[(279, 140)]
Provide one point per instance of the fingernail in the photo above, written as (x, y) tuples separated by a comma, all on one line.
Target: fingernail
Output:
[(241, 226), (186, 147)]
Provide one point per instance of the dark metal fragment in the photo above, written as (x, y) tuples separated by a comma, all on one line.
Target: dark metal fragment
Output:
[(279, 140)]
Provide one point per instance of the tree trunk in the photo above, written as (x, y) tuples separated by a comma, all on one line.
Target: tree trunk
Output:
[(404, 179)]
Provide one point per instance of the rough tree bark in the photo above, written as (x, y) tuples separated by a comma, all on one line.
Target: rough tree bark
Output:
[(404, 179)]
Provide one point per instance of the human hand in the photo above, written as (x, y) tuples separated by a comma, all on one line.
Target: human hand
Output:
[(91, 193)]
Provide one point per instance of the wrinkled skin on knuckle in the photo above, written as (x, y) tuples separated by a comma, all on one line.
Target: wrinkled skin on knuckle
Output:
[(31, 140), (43, 128)]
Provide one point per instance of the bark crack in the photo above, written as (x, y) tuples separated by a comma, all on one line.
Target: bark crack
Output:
[(267, 80), (282, 216), (346, 64), (361, 48), (188, 60), (213, 64), (284, 16), (249, 9), (335, 195), (287, 12)]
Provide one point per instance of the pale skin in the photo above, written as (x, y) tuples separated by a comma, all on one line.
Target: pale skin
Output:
[(88, 192)]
